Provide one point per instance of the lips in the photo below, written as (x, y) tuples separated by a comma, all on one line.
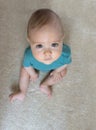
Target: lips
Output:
[(48, 59)]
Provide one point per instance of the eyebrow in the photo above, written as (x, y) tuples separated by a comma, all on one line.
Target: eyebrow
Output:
[(44, 42)]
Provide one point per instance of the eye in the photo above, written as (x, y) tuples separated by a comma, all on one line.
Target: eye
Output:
[(54, 44), (39, 46)]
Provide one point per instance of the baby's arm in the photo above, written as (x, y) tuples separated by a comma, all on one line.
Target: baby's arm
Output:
[(23, 85), (25, 75)]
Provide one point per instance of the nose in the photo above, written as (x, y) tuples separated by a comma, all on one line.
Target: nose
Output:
[(47, 52)]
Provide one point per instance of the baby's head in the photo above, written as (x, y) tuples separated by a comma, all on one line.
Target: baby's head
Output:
[(45, 35)]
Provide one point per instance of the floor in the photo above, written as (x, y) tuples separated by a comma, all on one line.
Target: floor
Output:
[(73, 104)]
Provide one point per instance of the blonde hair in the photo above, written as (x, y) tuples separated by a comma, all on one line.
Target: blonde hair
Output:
[(43, 17)]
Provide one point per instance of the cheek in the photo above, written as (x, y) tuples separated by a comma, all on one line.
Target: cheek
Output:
[(37, 55), (57, 52)]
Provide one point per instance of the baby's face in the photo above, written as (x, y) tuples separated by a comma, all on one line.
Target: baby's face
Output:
[(46, 44)]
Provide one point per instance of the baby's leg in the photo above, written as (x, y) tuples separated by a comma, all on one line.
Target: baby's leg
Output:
[(32, 72), (53, 78), (23, 83)]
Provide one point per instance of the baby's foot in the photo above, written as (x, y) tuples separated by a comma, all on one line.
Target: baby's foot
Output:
[(19, 96), (46, 89)]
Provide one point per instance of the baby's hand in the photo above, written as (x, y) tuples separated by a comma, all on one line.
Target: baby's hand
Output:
[(19, 96), (58, 75)]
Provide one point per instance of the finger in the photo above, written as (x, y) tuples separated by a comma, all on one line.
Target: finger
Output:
[(10, 96), (13, 98)]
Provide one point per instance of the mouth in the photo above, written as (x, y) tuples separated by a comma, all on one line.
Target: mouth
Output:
[(48, 59)]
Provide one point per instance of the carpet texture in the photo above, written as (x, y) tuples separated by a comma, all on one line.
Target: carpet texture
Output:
[(73, 104)]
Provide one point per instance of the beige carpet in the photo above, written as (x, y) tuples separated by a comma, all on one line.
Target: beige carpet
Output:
[(73, 105)]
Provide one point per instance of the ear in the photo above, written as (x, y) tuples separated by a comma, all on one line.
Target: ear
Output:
[(28, 39)]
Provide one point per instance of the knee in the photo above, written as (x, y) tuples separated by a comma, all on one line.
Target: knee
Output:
[(64, 72)]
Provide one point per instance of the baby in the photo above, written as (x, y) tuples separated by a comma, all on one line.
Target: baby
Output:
[(46, 52)]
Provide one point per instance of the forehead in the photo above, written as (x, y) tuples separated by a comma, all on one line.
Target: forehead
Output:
[(45, 34)]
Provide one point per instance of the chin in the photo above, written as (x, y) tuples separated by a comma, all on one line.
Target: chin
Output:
[(48, 62)]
